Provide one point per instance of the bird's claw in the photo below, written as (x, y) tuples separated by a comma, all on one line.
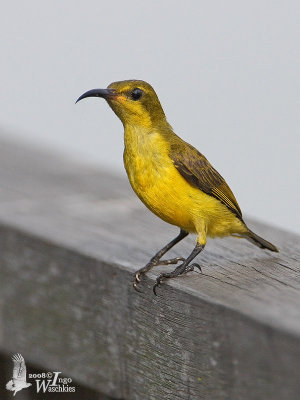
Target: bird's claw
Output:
[(193, 266), (137, 277), (137, 281), (135, 285), (142, 271)]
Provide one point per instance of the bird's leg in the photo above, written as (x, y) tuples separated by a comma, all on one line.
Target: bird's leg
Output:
[(155, 260), (182, 268)]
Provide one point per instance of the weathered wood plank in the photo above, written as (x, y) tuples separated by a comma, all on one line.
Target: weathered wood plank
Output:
[(71, 236)]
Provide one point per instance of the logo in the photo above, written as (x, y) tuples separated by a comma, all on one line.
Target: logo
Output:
[(52, 382), (18, 381), (44, 381)]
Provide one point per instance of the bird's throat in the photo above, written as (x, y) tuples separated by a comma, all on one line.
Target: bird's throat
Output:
[(144, 155)]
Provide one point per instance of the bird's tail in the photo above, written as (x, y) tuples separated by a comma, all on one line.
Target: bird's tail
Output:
[(260, 242)]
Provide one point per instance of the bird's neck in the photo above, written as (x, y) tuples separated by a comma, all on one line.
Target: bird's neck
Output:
[(146, 140)]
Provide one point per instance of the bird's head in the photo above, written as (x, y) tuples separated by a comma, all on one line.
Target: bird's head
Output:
[(134, 102)]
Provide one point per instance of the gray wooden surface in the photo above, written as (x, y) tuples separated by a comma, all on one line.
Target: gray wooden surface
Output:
[(71, 238)]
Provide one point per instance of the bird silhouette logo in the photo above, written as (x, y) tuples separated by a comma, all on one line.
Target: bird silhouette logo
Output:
[(18, 381)]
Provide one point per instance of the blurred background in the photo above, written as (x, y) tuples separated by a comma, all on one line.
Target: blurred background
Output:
[(227, 75)]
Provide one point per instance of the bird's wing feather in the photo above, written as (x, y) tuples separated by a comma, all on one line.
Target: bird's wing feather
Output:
[(19, 371), (195, 168)]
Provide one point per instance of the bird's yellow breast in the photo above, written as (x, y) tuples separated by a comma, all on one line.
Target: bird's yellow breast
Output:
[(165, 192)]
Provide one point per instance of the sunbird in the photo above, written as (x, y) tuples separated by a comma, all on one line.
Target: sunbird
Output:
[(173, 179)]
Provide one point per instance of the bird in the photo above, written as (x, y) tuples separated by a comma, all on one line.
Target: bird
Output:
[(172, 178), (18, 381)]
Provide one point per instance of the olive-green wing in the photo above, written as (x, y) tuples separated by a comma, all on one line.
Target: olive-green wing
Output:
[(195, 168)]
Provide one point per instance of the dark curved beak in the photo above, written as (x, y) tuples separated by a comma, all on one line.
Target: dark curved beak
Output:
[(104, 93)]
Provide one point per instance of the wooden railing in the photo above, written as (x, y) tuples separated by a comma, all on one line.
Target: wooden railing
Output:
[(71, 237)]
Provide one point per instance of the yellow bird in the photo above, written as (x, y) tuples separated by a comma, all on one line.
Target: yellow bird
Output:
[(173, 179)]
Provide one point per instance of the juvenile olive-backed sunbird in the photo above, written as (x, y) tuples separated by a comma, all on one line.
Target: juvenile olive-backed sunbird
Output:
[(171, 177)]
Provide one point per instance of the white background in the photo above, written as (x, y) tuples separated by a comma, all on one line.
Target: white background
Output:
[(227, 74)]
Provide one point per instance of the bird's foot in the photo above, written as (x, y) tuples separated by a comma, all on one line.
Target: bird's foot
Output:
[(153, 262), (178, 271), (141, 272)]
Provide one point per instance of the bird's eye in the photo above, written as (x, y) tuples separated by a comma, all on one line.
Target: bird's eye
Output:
[(136, 94)]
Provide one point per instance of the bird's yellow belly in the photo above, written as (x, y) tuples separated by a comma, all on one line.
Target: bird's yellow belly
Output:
[(168, 195), (165, 199)]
